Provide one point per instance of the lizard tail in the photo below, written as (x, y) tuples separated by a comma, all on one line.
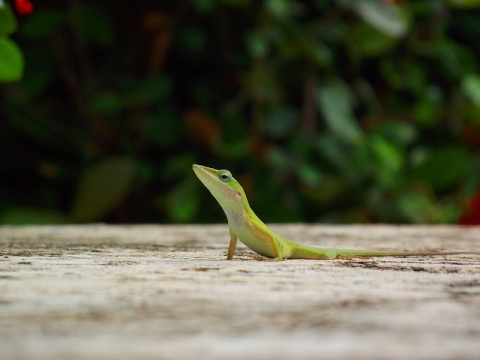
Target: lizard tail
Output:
[(314, 253)]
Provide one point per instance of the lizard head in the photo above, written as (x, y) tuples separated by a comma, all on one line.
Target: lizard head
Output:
[(228, 192)]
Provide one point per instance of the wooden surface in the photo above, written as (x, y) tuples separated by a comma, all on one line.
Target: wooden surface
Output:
[(167, 292)]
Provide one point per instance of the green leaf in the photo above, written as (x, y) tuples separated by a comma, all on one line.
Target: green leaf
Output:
[(464, 4), (399, 133), (203, 6), (257, 45), (386, 153), (177, 167), (183, 202), (316, 50), (366, 41), (263, 84), (11, 61), (98, 24), (428, 108), (108, 103), (236, 3), (309, 175), (418, 208), (31, 216), (279, 8), (102, 187), (153, 89), (8, 23), (162, 128), (281, 121), (42, 24), (231, 149), (444, 168), (337, 154), (278, 158), (388, 159), (39, 74), (471, 88), (192, 39), (387, 18), (335, 102)]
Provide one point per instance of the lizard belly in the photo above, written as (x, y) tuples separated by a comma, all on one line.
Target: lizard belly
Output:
[(259, 245)]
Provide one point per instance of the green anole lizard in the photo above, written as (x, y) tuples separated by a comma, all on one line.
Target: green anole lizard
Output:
[(246, 226)]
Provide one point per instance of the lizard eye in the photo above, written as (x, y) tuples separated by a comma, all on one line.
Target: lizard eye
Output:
[(225, 176)]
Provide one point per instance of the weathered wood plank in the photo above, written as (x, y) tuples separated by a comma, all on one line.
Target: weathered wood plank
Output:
[(150, 292)]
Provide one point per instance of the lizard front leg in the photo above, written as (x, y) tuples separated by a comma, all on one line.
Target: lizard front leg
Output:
[(233, 244)]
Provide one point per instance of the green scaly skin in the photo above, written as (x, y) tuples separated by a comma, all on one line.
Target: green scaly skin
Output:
[(246, 226)]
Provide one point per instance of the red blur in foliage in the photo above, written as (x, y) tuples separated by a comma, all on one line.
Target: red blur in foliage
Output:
[(471, 215), (24, 7)]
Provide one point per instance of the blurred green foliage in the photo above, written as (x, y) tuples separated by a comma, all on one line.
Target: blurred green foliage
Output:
[(326, 111), (11, 60)]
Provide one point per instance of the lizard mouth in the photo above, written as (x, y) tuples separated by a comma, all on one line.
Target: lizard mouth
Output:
[(203, 172), (209, 178)]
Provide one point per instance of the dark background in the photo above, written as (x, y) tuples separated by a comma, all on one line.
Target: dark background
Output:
[(325, 111)]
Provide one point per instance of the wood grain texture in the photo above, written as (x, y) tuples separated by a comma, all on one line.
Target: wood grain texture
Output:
[(167, 292)]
